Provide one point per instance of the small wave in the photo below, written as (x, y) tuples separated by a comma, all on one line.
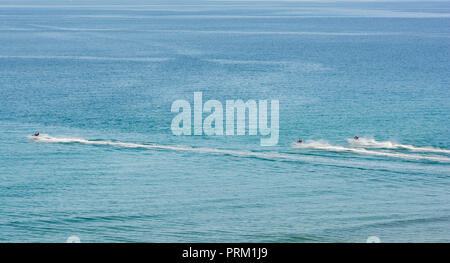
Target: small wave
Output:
[(295, 65), (299, 33), (324, 146), (72, 28), (131, 59), (372, 143)]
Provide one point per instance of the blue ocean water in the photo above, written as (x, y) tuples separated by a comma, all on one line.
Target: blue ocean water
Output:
[(97, 79)]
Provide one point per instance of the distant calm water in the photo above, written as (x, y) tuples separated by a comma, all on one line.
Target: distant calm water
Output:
[(98, 80)]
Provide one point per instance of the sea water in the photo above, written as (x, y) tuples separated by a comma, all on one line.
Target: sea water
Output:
[(97, 79)]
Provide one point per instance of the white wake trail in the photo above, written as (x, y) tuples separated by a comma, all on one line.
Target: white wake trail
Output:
[(324, 146), (45, 138), (372, 143), (317, 145)]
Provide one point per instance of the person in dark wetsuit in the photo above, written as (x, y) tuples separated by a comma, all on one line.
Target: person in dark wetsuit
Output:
[(356, 137), (36, 134), (300, 141)]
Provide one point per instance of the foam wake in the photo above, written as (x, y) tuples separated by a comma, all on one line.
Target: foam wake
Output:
[(50, 139), (45, 138), (324, 146), (317, 145), (372, 143)]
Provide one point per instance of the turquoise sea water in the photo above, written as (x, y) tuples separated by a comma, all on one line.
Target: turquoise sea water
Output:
[(98, 78)]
